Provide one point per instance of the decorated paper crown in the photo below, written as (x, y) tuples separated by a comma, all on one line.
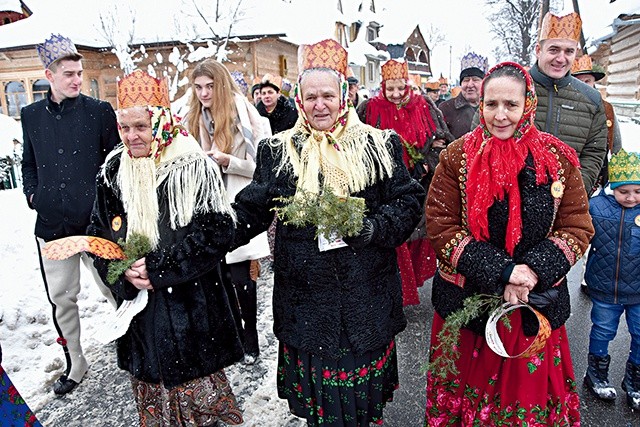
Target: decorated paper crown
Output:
[(324, 54), (415, 78), (393, 69), (55, 48), (269, 80), (240, 81), (624, 168), (473, 60), (584, 65), (139, 89), (442, 80), (433, 86), (561, 27)]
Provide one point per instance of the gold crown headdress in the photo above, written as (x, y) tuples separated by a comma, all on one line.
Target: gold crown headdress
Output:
[(324, 54), (561, 27), (393, 69), (624, 168), (139, 89)]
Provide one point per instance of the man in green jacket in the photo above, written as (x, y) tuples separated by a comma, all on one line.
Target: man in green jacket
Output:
[(568, 108)]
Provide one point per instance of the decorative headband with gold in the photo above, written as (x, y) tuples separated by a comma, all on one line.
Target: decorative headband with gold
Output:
[(624, 167), (55, 48), (393, 69), (561, 27), (139, 89), (495, 343), (324, 54)]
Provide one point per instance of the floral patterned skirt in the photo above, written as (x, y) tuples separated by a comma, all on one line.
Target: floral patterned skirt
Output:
[(417, 264), (200, 402), (494, 391), (13, 409), (349, 392)]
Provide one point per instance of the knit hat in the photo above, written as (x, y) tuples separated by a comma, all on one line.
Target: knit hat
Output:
[(624, 168), (139, 89), (561, 27), (240, 81), (392, 70), (472, 65), (56, 48), (324, 54), (584, 65)]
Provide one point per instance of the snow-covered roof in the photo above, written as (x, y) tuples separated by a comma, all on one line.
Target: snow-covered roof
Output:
[(10, 6)]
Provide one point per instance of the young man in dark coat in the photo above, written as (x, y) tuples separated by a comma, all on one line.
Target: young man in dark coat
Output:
[(162, 186), (67, 136), (280, 111)]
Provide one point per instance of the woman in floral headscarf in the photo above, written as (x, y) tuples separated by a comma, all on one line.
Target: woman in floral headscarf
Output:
[(337, 304), (424, 134), (509, 217)]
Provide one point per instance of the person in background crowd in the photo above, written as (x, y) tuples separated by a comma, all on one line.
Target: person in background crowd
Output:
[(255, 92), (354, 96), (443, 93), (613, 277), (415, 83), (584, 70), (232, 143), (281, 113), (458, 112), (67, 136), (568, 109), (161, 185), (336, 308), (508, 217), (433, 91), (415, 119)]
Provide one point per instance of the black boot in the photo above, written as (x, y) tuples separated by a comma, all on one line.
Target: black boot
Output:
[(631, 384), (247, 296), (597, 377)]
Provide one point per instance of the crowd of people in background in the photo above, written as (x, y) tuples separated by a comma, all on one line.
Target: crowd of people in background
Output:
[(357, 198)]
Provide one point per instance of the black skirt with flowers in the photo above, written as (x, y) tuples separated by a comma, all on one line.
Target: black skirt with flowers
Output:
[(348, 392)]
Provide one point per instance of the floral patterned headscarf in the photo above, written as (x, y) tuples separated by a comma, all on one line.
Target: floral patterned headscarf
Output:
[(494, 164)]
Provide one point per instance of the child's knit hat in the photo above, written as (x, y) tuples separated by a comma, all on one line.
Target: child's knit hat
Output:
[(624, 168)]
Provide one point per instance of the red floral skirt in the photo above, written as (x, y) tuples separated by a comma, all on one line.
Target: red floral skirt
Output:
[(494, 391), (348, 392), (417, 264)]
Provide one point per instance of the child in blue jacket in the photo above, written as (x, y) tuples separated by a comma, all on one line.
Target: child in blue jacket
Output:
[(613, 276)]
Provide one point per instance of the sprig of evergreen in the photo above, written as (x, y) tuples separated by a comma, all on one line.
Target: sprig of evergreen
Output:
[(415, 156), (444, 363), (325, 211), (136, 247)]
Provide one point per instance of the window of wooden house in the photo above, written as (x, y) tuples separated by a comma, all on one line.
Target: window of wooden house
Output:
[(94, 89), (422, 57), (16, 98), (410, 54), (40, 88), (284, 68), (371, 34), (371, 72)]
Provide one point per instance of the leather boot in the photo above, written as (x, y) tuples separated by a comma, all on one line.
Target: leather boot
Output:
[(631, 384), (597, 377), (247, 296)]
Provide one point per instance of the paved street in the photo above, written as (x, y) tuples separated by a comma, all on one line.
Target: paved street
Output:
[(407, 409)]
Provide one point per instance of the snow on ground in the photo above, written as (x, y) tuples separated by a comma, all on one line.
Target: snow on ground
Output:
[(34, 361)]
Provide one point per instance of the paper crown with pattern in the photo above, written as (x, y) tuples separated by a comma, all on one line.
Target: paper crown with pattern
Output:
[(416, 79), (433, 86), (473, 60), (624, 168), (443, 80), (240, 81), (561, 27), (55, 48), (324, 54), (584, 65), (139, 89), (269, 80), (393, 69)]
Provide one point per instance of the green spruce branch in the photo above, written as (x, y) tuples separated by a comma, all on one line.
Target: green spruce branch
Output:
[(325, 211), (444, 363), (136, 247)]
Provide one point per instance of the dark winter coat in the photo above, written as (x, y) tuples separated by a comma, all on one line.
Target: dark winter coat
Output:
[(555, 233), (573, 112), (613, 270), (64, 146), (458, 114), (187, 330), (318, 294), (283, 117)]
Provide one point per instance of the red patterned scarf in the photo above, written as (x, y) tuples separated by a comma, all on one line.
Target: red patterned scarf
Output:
[(494, 165)]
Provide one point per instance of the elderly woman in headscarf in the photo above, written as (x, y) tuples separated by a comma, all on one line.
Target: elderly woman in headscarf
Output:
[(509, 217), (337, 303), (424, 134)]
